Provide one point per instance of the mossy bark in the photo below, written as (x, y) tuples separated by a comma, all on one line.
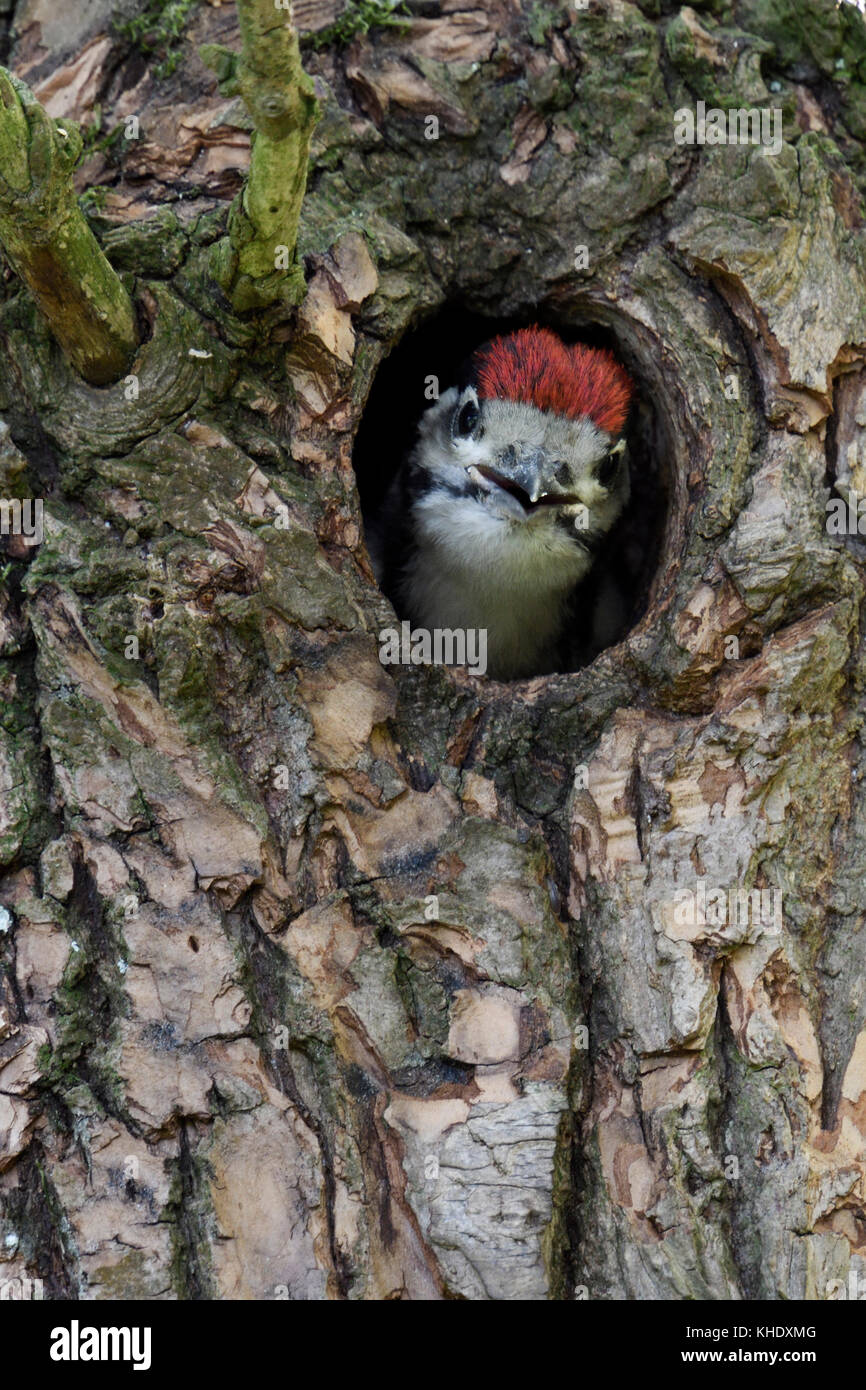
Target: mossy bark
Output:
[(257, 263), (49, 244), (321, 980)]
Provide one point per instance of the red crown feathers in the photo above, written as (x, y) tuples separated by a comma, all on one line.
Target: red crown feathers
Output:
[(534, 366)]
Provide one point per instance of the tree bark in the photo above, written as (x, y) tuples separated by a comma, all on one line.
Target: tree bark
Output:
[(326, 981)]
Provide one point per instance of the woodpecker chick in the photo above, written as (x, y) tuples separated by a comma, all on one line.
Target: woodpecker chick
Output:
[(516, 476)]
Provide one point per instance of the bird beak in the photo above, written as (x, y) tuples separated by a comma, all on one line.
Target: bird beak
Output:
[(525, 477), (528, 472)]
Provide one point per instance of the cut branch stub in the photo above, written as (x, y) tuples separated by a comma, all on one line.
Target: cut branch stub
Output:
[(49, 243), (257, 264)]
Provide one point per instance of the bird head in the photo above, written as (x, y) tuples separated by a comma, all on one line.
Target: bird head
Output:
[(533, 435)]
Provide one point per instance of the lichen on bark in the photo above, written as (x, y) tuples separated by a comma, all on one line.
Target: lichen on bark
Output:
[(49, 244), (257, 263)]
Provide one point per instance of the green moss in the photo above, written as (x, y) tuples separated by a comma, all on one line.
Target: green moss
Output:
[(97, 140), (49, 244), (621, 105), (26, 819), (81, 1067), (155, 246), (89, 1002), (806, 29), (256, 263), (823, 44), (93, 199), (158, 33), (359, 17), (541, 20)]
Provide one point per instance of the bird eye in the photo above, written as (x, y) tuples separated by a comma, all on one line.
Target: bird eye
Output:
[(609, 466), (467, 418)]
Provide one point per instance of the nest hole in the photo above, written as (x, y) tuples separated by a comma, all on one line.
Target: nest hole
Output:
[(629, 559)]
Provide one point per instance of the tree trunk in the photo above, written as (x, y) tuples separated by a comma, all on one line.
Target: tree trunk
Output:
[(321, 980)]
